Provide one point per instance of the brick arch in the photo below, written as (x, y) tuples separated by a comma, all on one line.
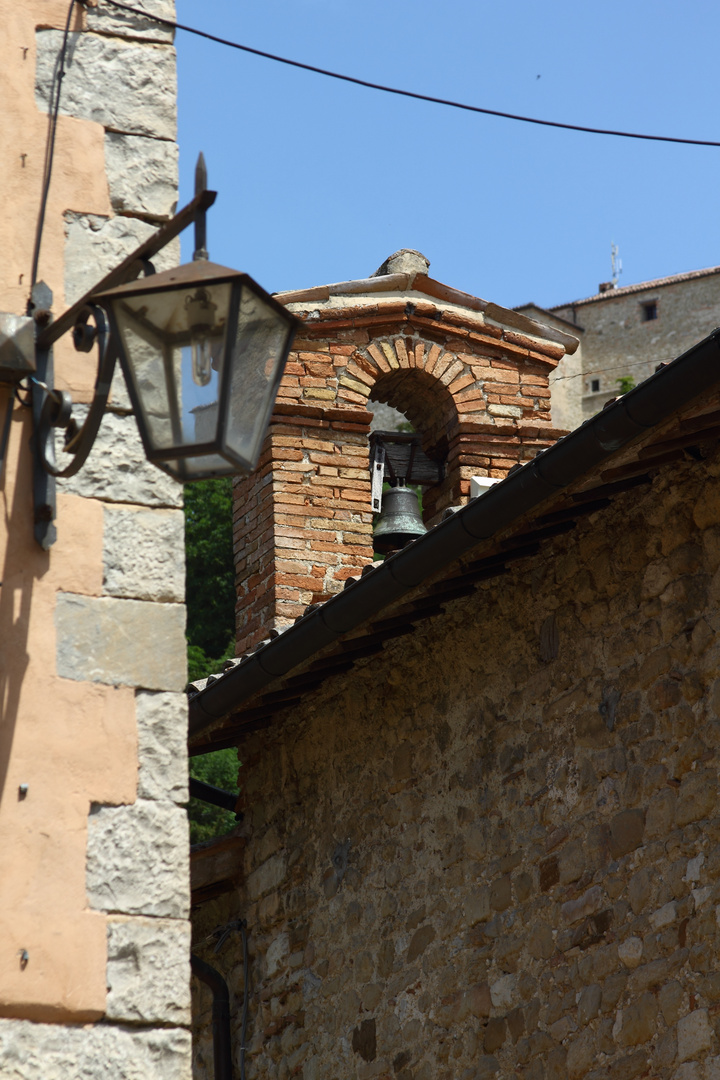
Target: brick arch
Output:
[(431, 409), (428, 405), (439, 391), (434, 387)]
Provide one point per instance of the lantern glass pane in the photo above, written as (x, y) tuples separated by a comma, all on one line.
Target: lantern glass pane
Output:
[(257, 365), (197, 468), (174, 344)]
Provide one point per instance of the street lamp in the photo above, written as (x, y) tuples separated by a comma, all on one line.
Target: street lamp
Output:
[(202, 349)]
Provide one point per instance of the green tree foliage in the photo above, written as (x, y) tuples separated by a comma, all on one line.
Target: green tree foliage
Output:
[(210, 599), (221, 770), (201, 666), (210, 576), (626, 383)]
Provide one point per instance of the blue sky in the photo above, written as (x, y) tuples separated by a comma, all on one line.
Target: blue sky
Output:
[(319, 181)]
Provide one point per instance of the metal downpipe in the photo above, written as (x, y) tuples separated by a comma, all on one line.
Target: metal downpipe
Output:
[(222, 1050)]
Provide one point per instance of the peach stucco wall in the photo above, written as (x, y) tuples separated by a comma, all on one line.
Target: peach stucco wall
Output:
[(71, 742)]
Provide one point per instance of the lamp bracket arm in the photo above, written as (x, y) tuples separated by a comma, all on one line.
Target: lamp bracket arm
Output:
[(130, 267), (56, 408)]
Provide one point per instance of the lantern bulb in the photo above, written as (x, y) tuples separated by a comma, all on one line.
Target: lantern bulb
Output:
[(201, 322), (201, 359)]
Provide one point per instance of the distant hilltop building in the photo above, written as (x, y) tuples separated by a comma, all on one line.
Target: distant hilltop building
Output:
[(624, 334)]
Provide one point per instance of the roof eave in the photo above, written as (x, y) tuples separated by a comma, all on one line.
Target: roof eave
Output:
[(424, 286), (692, 374)]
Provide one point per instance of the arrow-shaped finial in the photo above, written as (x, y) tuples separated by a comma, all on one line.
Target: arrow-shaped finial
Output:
[(200, 174), (200, 229)]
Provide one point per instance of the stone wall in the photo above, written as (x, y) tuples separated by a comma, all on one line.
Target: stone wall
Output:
[(95, 883), (465, 861), (476, 391), (618, 342), (566, 380)]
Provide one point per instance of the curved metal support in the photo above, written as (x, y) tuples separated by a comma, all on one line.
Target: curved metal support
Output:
[(57, 407), (128, 269)]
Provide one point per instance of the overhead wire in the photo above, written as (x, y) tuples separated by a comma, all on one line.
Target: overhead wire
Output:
[(621, 365), (405, 93), (53, 111), (56, 87)]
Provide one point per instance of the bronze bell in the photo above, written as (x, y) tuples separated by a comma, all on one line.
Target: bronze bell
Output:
[(400, 519)]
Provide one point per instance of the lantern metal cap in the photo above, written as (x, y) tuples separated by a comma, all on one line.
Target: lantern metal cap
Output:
[(184, 276), (189, 275)]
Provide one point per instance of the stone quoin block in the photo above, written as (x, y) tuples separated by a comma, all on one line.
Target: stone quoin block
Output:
[(162, 746), (143, 554), (108, 20), (148, 970), (31, 1051), (120, 642), (118, 98), (142, 175), (107, 81), (94, 245), (138, 860), (117, 470)]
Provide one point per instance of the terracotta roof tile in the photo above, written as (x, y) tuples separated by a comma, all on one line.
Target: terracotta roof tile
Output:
[(642, 286)]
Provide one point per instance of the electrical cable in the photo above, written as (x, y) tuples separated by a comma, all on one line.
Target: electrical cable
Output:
[(53, 110), (25, 401), (621, 365), (246, 996), (406, 93)]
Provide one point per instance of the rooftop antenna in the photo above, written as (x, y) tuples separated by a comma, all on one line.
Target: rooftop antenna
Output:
[(616, 263)]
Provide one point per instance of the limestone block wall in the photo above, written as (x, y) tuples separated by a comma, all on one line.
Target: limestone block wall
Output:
[(477, 392), (566, 380), (94, 893), (465, 861), (618, 341)]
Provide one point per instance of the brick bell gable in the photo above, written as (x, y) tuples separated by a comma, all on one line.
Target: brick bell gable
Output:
[(475, 388)]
